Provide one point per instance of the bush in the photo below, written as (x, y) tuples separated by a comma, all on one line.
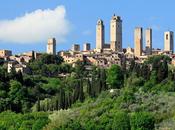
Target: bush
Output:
[(142, 121), (72, 125), (121, 121), (13, 121), (39, 124)]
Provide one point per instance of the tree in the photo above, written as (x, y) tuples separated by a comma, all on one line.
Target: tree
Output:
[(44, 70), (162, 71), (3, 90), (145, 71), (16, 95), (38, 105), (103, 79), (89, 87), (80, 69), (159, 64), (62, 98), (131, 67), (152, 82), (19, 77), (3, 74), (65, 68), (115, 77), (81, 92), (50, 59)]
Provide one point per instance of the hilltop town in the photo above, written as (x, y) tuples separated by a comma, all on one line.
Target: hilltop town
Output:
[(105, 54), (103, 88)]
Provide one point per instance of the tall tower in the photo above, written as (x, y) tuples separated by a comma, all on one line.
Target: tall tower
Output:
[(138, 39), (116, 33), (148, 38), (51, 46), (169, 41), (76, 47), (87, 47), (100, 35)]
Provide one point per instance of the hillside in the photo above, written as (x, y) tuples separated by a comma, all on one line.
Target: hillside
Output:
[(137, 98), (123, 110)]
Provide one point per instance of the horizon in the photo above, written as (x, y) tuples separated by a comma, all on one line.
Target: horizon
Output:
[(78, 22)]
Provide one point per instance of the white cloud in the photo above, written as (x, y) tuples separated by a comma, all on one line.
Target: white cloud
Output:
[(36, 27)]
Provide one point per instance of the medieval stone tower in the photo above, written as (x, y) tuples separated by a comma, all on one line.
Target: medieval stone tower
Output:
[(148, 38), (138, 39), (116, 33), (100, 35), (169, 41), (51, 46)]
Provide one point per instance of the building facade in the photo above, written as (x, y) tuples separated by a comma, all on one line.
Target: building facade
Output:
[(100, 35), (116, 33), (51, 46), (138, 40), (169, 41), (148, 38)]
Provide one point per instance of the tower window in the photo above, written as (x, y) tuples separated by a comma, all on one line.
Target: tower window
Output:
[(166, 36)]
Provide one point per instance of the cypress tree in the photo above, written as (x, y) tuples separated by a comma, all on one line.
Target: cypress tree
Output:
[(89, 88), (38, 105), (81, 94)]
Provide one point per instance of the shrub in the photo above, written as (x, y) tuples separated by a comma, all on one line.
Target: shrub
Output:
[(142, 121), (121, 121)]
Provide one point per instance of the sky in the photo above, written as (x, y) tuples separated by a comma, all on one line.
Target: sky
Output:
[(26, 25)]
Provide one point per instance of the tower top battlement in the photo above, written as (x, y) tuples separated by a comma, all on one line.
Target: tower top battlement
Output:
[(99, 22), (117, 18), (51, 41)]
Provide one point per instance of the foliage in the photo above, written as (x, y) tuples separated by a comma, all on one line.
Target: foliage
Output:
[(142, 121), (115, 77), (13, 121), (141, 97), (121, 121)]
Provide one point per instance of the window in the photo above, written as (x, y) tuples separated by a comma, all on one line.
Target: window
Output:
[(166, 36)]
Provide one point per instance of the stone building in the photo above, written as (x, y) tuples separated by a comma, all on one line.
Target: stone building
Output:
[(116, 33), (87, 47), (169, 41), (5, 53), (148, 38), (51, 46), (33, 54), (138, 39), (75, 47), (17, 67), (100, 35)]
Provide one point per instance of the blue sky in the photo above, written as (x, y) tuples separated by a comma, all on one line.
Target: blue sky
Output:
[(82, 17)]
